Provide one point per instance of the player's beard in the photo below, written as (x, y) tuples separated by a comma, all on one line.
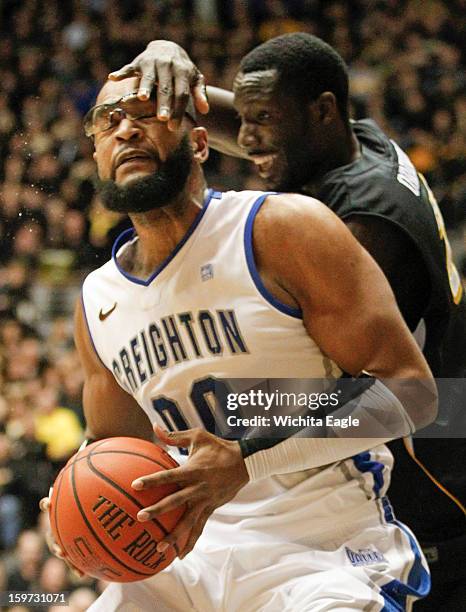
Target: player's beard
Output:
[(154, 191), (298, 165), (293, 174)]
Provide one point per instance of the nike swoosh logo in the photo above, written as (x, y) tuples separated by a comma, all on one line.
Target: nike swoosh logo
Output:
[(104, 315)]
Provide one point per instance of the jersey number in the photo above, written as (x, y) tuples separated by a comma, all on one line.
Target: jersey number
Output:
[(209, 398), (453, 275)]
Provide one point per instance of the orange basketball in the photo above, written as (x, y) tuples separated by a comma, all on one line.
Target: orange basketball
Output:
[(93, 510)]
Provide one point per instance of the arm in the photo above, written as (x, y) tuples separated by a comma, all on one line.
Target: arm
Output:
[(338, 286), (108, 409), (346, 303), (167, 64)]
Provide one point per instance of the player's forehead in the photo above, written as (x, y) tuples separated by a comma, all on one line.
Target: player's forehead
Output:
[(114, 90), (257, 84)]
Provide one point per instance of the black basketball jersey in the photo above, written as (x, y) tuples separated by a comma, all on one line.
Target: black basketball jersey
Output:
[(382, 182)]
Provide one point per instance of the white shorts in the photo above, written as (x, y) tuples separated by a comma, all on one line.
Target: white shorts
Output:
[(237, 569)]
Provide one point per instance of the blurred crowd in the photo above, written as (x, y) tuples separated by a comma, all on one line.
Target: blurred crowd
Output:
[(406, 61)]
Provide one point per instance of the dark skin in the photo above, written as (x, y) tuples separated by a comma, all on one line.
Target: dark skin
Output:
[(270, 121)]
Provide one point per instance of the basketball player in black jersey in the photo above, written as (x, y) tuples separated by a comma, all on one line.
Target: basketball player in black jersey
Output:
[(291, 95)]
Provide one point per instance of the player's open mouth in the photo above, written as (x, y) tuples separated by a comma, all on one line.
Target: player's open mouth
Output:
[(264, 162)]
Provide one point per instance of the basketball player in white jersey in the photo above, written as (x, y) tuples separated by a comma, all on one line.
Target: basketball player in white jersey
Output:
[(213, 285)]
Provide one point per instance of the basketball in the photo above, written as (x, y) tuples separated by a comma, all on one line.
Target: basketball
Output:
[(93, 510)]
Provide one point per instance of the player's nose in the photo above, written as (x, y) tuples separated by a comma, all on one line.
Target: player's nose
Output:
[(247, 137), (128, 129)]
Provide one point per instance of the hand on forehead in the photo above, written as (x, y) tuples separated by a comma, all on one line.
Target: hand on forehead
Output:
[(113, 90)]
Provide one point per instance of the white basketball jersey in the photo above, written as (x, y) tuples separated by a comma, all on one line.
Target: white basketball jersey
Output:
[(203, 315)]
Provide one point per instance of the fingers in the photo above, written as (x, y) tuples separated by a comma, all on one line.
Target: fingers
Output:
[(125, 72), (44, 504), (172, 476), (175, 438), (184, 525), (196, 531), (146, 70), (200, 95), (77, 572), (180, 101), (175, 83), (191, 523), (58, 552), (183, 87), (171, 502), (164, 91), (52, 545), (147, 82)]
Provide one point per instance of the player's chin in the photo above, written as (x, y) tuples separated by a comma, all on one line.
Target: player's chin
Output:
[(277, 179), (129, 173), (272, 179)]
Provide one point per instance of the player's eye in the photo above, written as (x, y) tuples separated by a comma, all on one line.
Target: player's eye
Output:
[(263, 115), (115, 116), (100, 118)]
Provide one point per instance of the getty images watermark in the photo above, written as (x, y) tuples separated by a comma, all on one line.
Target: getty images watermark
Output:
[(345, 407), (277, 401)]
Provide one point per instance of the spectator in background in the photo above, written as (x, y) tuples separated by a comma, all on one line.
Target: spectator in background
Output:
[(14, 287), (57, 427), (3, 576), (81, 599), (25, 572), (31, 467), (53, 576), (10, 507)]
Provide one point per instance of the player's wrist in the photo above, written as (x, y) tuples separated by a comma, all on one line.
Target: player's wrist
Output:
[(249, 446), (239, 464)]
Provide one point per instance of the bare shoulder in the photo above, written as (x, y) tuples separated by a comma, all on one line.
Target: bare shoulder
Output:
[(288, 208), (293, 223)]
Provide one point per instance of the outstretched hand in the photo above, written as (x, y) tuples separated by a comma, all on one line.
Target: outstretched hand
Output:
[(167, 64), (213, 474)]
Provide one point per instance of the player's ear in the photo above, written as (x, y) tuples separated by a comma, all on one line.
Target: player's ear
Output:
[(324, 109), (199, 144)]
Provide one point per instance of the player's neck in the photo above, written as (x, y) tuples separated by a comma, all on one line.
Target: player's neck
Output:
[(159, 231), (347, 151)]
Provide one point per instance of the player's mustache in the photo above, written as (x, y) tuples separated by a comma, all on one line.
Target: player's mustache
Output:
[(127, 153)]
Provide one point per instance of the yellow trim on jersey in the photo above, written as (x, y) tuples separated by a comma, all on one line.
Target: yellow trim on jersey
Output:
[(453, 275), (410, 449)]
